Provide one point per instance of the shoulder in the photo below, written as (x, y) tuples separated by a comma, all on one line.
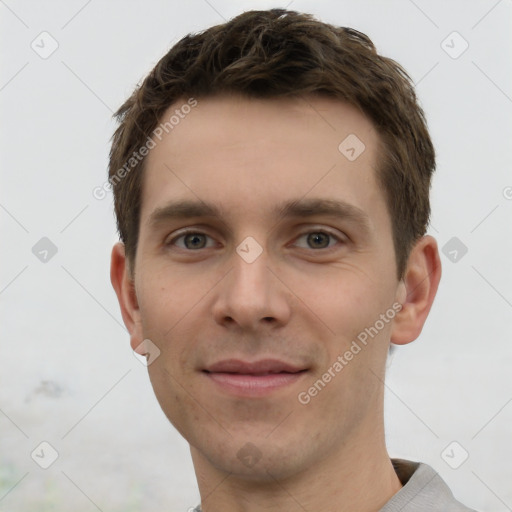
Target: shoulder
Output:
[(423, 490)]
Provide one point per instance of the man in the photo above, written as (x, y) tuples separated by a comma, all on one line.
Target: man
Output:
[(271, 179)]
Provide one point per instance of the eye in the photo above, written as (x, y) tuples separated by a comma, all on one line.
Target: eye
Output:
[(191, 241), (318, 240)]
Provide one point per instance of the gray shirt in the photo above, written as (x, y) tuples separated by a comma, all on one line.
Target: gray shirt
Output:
[(423, 491)]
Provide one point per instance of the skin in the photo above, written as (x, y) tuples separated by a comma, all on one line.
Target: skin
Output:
[(303, 300)]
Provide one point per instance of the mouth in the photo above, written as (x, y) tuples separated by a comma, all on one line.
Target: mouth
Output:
[(257, 378)]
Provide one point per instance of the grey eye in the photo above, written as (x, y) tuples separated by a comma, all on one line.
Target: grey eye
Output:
[(318, 240), (194, 241)]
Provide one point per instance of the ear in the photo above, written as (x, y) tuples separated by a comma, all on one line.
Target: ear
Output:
[(416, 291), (123, 283)]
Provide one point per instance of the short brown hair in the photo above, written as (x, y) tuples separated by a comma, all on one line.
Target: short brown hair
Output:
[(281, 53)]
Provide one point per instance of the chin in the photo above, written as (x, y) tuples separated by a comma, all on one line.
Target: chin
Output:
[(258, 460)]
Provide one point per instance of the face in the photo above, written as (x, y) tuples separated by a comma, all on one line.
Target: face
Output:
[(265, 258)]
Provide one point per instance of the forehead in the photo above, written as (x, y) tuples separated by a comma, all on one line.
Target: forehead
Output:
[(247, 155)]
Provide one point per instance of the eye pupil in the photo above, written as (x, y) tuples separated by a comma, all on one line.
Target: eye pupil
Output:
[(194, 241), (318, 240)]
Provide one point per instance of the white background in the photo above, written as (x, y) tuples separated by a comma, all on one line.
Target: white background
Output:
[(68, 376)]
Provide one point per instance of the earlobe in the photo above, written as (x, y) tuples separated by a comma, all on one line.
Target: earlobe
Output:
[(418, 289), (124, 287)]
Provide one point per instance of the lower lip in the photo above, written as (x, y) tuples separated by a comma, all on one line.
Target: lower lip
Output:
[(254, 385)]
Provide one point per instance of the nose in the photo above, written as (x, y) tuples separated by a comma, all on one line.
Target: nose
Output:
[(251, 296)]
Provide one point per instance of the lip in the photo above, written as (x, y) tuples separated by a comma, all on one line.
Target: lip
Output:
[(256, 378), (255, 368)]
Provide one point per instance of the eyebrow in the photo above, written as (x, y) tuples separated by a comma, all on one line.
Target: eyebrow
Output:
[(304, 208), (182, 210), (301, 208)]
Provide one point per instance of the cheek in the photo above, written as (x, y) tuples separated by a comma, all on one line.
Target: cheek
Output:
[(175, 402), (348, 302), (174, 317), (164, 299), (352, 308)]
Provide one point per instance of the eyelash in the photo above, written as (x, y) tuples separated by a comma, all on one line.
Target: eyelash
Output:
[(314, 231)]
